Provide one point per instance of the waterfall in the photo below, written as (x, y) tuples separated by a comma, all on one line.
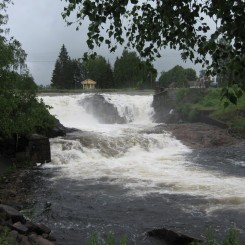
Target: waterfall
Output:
[(122, 172)]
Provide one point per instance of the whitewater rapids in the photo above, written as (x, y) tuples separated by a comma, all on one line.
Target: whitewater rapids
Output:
[(130, 166)]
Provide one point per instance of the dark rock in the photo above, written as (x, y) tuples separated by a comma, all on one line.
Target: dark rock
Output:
[(51, 238), (25, 241), (12, 213), (44, 229), (33, 149), (39, 149), (20, 228), (57, 130), (37, 228), (170, 237), (200, 135), (12, 236), (102, 110), (40, 240)]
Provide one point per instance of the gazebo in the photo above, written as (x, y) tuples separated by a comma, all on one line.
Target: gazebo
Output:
[(88, 84)]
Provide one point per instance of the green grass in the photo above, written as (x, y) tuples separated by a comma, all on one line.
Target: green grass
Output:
[(4, 236), (192, 102)]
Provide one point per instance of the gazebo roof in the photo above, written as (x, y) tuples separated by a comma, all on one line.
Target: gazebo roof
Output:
[(88, 81)]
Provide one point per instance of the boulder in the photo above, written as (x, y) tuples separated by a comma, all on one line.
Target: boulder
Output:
[(12, 213), (38, 228), (101, 109), (57, 130), (170, 237), (18, 226), (39, 149)]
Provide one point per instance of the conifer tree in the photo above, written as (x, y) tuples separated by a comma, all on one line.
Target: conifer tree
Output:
[(63, 73)]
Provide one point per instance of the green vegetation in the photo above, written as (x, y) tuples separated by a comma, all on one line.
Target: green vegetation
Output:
[(66, 74), (150, 26), (177, 77), (4, 236), (21, 114), (230, 239), (129, 72), (192, 102)]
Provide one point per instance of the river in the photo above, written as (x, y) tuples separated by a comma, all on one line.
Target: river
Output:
[(117, 177)]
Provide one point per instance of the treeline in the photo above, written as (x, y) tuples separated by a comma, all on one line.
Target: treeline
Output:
[(177, 77), (21, 114), (129, 72)]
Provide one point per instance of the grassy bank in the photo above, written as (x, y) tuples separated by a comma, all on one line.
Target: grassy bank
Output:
[(192, 103)]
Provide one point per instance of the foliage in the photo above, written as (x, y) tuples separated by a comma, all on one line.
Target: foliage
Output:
[(177, 76), (190, 102), (131, 72), (110, 240), (66, 74), (20, 112), (4, 237), (150, 25), (230, 239), (99, 70)]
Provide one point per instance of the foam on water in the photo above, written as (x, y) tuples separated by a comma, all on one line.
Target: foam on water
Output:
[(142, 163)]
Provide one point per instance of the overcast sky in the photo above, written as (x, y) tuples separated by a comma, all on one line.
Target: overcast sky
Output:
[(38, 25)]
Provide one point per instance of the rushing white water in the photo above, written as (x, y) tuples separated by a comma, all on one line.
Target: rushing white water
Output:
[(127, 155)]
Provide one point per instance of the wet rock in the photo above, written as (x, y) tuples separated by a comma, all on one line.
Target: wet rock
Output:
[(170, 237), (12, 237), (57, 130), (39, 149), (40, 240), (22, 229), (12, 213), (200, 135), (25, 241), (37, 228), (102, 110)]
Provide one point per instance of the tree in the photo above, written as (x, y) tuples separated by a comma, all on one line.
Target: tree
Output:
[(65, 71), (153, 24), (190, 74), (178, 76), (98, 69), (127, 72), (21, 114), (131, 72)]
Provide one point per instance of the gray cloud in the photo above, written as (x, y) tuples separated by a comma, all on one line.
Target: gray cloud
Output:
[(39, 26)]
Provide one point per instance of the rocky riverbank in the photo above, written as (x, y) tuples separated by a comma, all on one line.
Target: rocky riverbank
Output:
[(15, 195), (201, 135), (15, 229), (198, 135)]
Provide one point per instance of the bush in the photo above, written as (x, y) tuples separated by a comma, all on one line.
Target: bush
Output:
[(21, 114)]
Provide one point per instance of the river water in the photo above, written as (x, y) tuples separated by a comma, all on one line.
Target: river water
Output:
[(128, 179)]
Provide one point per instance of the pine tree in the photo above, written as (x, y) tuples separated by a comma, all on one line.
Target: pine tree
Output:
[(63, 73)]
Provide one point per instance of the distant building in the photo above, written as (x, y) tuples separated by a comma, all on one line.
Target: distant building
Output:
[(88, 84)]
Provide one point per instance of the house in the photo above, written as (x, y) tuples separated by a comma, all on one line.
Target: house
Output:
[(88, 84)]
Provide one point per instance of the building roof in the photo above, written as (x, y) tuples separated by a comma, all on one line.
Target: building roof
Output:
[(88, 81)]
